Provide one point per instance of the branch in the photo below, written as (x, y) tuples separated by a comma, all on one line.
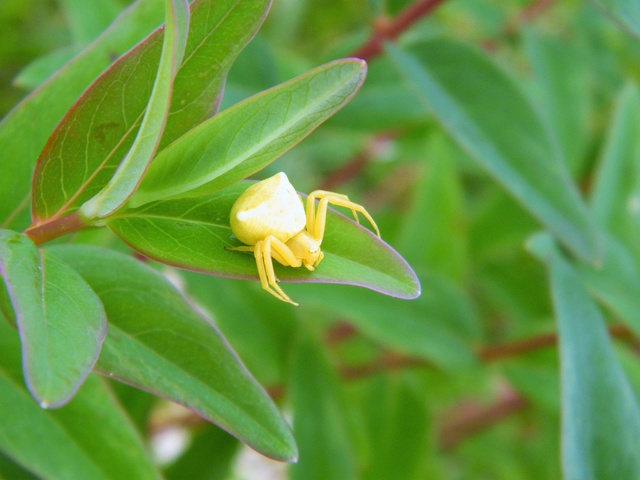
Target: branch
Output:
[(385, 30), (470, 417)]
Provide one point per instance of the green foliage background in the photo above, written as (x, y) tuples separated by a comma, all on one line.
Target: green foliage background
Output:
[(496, 144)]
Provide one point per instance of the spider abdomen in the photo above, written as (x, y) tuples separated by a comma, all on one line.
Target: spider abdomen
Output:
[(270, 207)]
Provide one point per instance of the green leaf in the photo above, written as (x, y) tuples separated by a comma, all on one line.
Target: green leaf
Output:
[(564, 99), (38, 71), (319, 419), (157, 342), (209, 456), (11, 470), (98, 131), (24, 132), (6, 309), (398, 430), (57, 444), (61, 321), (433, 236), (492, 119), (247, 137), (616, 283), (383, 103), (130, 171), (601, 416), (624, 12), (615, 198), (259, 329), (89, 19), (425, 327), (193, 233)]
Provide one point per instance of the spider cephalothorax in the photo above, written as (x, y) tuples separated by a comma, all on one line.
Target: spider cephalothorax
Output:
[(269, 217)]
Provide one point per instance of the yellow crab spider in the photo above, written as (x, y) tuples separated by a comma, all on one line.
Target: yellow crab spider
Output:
[(270, 219)]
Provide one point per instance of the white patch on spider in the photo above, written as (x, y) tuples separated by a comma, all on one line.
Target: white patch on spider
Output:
[(261, 209)]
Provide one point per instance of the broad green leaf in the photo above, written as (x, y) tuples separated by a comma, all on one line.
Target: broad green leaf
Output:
[(625, 13), (245, 138), (130, 171), (24, 132), (9, 470), (209, 456), (425, 327), (319, 419), (87, 20), (492, 119), (383, 103), (157, 342), (616, 283), (259, 329), (88, 438), (38, 71), (433, 236), (536, 377), (98, 131), (61, 321), (564, 99), (615, 198), (398, 430), (601, 416), (193, 233)]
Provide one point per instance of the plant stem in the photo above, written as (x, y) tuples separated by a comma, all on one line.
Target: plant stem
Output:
[(47, 231), (389, 30)]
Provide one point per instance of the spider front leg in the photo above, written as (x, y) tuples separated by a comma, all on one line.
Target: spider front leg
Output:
[(264, 252), (317, 218)]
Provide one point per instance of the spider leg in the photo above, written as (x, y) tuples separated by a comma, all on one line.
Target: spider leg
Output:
[(311, 208), (318, 221), (242, 248), (264, 254), (251, 248)]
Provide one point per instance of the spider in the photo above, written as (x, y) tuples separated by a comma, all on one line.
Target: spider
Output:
[(270, 219)]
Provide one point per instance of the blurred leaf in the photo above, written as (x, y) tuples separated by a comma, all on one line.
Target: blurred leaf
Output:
[(384, 102), (601, 417), (616, 282), (564, 99), (514, 286), (57, 444), (247, 137), (433, 234), (208, 457), (89, 19), (498, 226), (318, 416), (615, 198), (24, 132), (399, 431), (624, 12), (428, 327), (99, 129), (61, 321), (38, 71), (259, 329), (157, 342), (192, 233), (133, 165), (9, 470), (536, 377), (494, 121), (6, 309)]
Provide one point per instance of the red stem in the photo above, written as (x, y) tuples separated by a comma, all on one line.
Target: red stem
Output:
[(49, 230), (390, 30)]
